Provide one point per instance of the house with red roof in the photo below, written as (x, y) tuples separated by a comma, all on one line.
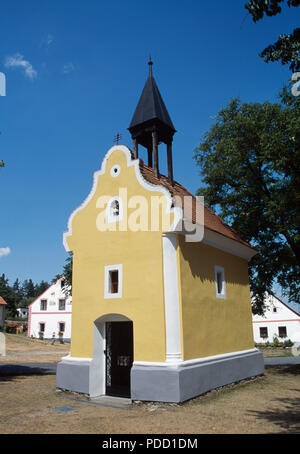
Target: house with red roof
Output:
[(3, 305)]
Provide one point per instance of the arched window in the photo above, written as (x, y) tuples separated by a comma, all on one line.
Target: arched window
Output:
[(114, 210)]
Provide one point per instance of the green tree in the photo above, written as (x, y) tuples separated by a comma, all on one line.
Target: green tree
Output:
[(67, 272), (28, 289), (287, 48), (40, 288), (17, 289), (249, 161)]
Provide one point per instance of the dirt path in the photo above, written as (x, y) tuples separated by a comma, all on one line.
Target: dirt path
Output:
[(20, 348), (268, 404)]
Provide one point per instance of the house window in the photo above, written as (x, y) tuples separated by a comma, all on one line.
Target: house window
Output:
[(274, 309), (263, 331), (220, 282), (42, 327), (61, 327), (114, 210), (62, 284), (282, 331), (43, 305), (113, 281), (62, 305)]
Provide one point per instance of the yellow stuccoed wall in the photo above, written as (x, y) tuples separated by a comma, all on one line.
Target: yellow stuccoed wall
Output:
[(140, 253), (211, 325)]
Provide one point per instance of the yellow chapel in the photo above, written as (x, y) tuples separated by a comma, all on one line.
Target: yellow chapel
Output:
[(161, 299)]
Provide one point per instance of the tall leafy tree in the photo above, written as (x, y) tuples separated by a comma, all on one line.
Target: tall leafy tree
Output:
[(18, 291), (249, 161), (28, 289), (40, 288), (287, 48)]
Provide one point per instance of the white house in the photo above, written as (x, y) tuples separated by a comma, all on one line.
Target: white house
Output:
[(279, 320), (51, 313), (22, 312)]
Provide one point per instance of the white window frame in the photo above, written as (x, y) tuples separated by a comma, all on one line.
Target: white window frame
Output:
[(107, 291), (62, 299), (220, 269), (109, 217), (43, 300)]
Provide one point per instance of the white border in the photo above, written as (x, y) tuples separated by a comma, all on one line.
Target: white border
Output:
[(144, 183), (117, 173), (195, 361), (220, 269), (171, 297), (107, 269)]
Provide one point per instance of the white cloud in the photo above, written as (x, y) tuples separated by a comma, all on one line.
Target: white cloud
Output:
[(49, 40), (68, 68), (18, 61), (4, 251)]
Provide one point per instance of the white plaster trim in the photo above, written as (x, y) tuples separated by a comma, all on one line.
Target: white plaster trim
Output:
[(194, 362), (107, 269), (71, 359), (218, 241), (171, 296), (144, 183), (115, 171), (220, 269)]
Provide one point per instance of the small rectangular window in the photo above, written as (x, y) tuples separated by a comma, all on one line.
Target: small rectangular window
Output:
[(62, 305), (61, 327), (42, 327), (263, 331), (113, 281), (43, 305), (220, 282), (282, 331)]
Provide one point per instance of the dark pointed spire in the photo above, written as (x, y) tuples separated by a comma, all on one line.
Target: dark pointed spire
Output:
[(150, 63), (151, 124), (151, 104)]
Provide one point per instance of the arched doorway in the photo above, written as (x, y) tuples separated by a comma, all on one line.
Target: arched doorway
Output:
[(113, 341)]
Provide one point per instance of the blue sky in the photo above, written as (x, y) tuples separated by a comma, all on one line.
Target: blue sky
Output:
[(74, 73)]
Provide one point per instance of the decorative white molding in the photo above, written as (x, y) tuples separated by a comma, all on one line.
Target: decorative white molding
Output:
[(214, 239), (171, 296), (196, 361), (115, 171), (70, 359), (143, 182)]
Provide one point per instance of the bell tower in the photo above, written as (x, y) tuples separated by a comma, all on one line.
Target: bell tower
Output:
[(152, 125)]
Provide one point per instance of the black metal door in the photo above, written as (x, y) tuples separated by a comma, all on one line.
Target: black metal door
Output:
[(119, 358)]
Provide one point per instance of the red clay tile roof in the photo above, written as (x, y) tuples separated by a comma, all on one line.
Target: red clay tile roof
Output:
[(2, 301), (211, 220)]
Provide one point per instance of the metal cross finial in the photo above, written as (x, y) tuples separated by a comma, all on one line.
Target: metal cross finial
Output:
[(150, 63), (117, 138)]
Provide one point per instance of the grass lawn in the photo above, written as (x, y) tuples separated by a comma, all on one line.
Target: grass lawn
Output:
[(266, 404), (20, 348)]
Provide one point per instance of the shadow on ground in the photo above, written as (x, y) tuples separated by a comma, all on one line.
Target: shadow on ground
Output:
[(10, 371), (287, 416)]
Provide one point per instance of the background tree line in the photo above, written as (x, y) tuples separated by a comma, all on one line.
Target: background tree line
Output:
[(21, 294)]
